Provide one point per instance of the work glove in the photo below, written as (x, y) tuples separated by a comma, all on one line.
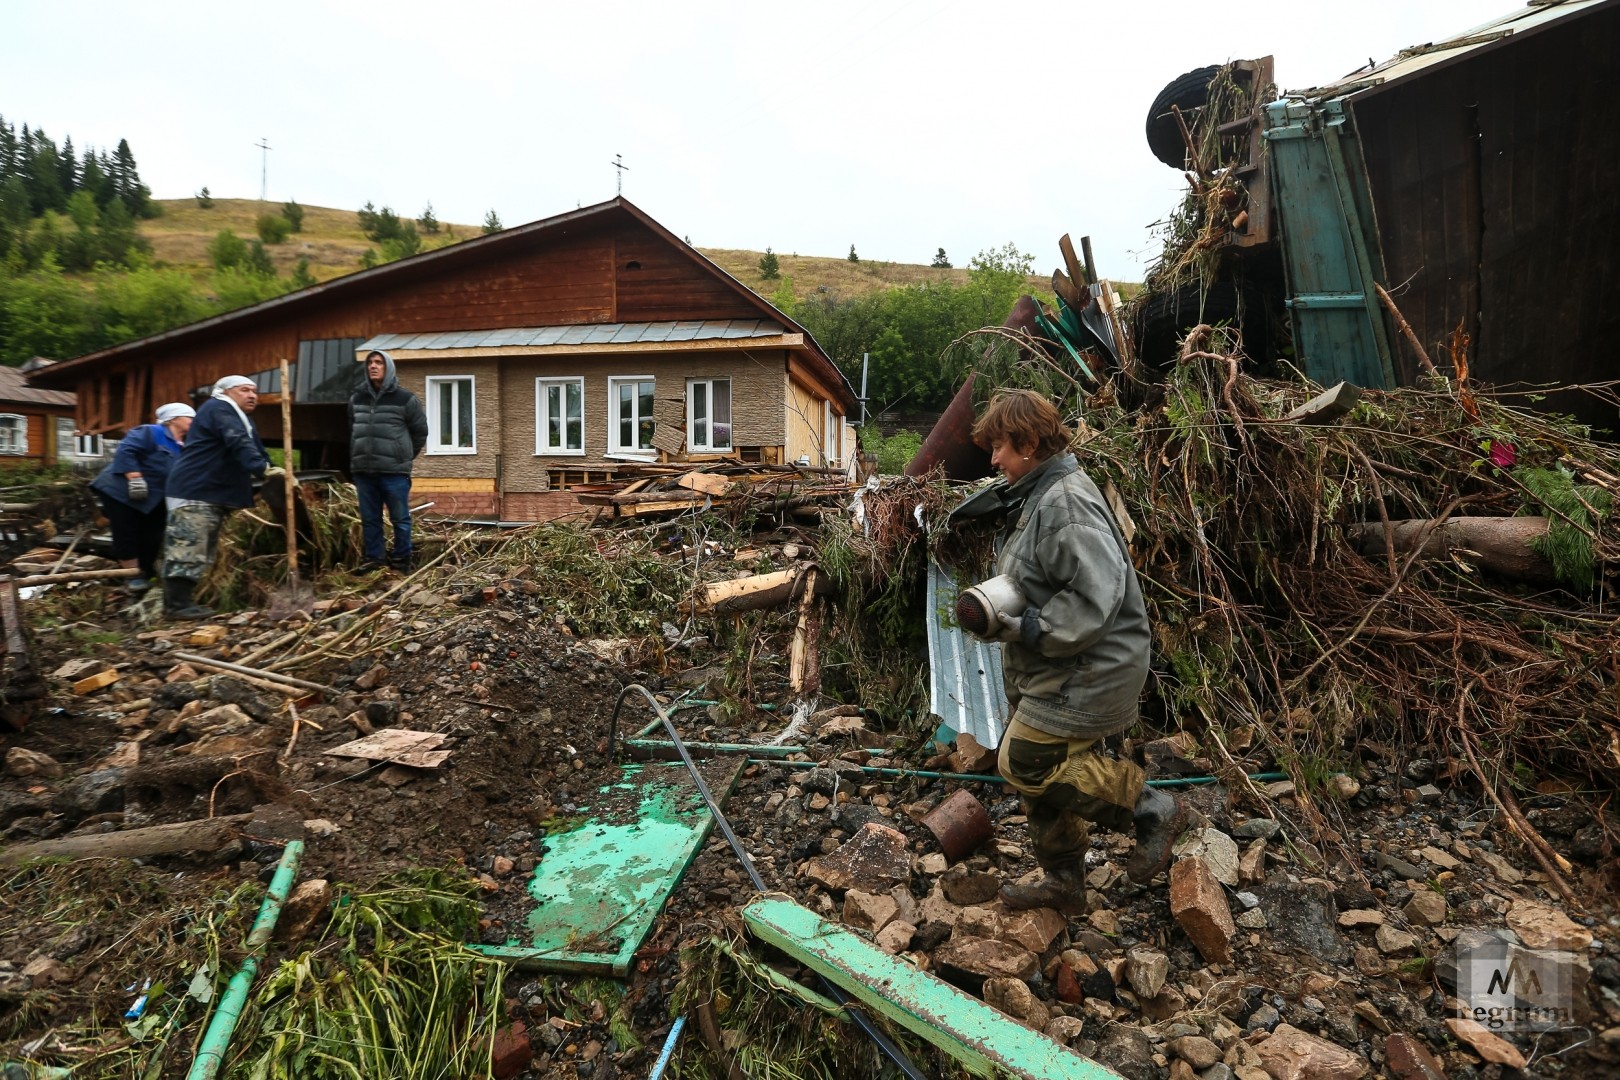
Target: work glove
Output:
[(138, 491)]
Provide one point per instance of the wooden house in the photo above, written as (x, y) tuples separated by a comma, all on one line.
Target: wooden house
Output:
[(548, 356), (37, 426)]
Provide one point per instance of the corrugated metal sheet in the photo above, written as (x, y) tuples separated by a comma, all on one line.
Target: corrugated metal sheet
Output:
[(584, 334), (14, 387), (964, 673)]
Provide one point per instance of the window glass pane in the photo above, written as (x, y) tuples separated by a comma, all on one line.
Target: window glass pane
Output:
[(721, 392), (644, 415), (554, 417), (576, 417), (444, 391), (464, 413)]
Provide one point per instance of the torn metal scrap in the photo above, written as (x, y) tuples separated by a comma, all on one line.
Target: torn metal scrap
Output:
[(402, 746)]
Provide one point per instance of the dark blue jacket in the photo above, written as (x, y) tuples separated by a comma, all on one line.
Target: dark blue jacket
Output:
[(149, 450), (387, 427), (221, 458)]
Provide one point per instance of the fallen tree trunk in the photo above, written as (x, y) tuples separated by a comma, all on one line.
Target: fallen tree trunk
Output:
[(1499, 544), (208, 834), (760, 590), (76, 575)]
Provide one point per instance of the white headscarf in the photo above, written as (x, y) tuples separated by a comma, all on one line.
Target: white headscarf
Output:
[(231, 382), (174, 410)]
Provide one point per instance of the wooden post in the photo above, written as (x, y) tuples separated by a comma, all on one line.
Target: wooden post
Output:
[(291, 481)]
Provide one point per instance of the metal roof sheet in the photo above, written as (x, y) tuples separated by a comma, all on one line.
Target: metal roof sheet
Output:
[(964, 673), (14, 387), (581, 334), (1410, 61)]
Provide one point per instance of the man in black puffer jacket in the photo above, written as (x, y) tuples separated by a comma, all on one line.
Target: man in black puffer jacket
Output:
[(387, 429)]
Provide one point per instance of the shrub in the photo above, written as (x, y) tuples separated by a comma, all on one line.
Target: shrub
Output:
[(226, 250), (893, 453), (273, 228)]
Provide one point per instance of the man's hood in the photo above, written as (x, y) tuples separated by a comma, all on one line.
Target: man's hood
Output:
[(390, 380)]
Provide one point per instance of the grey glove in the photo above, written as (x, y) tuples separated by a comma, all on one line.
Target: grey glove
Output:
[(138, 491)]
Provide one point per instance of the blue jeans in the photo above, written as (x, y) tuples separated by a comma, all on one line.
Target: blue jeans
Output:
[(377, 490)]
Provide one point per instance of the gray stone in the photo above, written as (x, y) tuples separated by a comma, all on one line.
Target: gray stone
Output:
[(1264, 1018), (1256, 829), (1301, 916), (1219, 852), (1218, 1071), (1398, 867), (99, 792), (1393, 942), (1196, 1051), (819, 781), (1253, 919), (231, 691), (1146, 970), (1430, 793), (968, 887), (1128, 1051)]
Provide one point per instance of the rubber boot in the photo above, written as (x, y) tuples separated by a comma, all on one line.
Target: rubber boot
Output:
[(177, 601), (1159, 818), (1063, 890)]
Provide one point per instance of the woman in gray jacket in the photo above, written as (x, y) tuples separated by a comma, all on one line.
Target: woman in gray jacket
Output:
[(1074, 661)]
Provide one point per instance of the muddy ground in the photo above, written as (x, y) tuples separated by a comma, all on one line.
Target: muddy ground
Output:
[(526, 706)]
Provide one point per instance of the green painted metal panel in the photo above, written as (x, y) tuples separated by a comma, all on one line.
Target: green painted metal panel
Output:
[(985, 1041), (600, 886), (1329, 248)]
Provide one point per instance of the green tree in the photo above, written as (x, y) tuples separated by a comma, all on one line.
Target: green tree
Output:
[(258, 260), (492, 223), (119, 241), (205, 201), (227, 250), (366, 217), (783, 299), (940, 260), (403, 244), (301, 277), (240, 287), (43, 313), (768, 266), (369, 258), (272, 228), (428, 221), (852, 257), (294, 215), (78, 248)]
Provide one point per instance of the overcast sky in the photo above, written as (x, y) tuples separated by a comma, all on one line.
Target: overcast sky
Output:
[(900, 127)]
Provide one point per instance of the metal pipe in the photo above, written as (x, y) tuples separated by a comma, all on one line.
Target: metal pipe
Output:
[(884, 1043), (211, 1054), (669, 1048)]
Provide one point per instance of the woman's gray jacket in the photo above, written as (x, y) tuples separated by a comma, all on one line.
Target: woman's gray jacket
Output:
[(1083, 658)]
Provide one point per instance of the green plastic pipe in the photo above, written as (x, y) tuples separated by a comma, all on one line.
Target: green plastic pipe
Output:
[(211, 1057), (1178, 781)]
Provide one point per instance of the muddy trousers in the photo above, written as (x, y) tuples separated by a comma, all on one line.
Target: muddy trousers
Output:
[(190, 542), (1067, 783)]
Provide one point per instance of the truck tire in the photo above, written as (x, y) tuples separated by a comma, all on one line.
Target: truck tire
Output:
[(1188, 91)]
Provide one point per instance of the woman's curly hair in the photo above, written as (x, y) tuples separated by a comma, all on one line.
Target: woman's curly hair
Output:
[(1024, 419)]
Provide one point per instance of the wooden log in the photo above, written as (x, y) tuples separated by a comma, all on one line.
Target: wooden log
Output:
[(208, 834), (1499, 544), (760, 590), (76, 575), (800, 671)]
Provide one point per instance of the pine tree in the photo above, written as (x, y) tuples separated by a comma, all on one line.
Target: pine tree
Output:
[(852, 256), (94, 179), (69, 173), (301, 277), (492, 223), (205, 201), (769, 269), (367, 218), (294, 215), (940, 260), (44, 173), (258, 260), (429, 223)]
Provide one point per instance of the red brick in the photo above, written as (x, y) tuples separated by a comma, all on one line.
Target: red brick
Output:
[(512, 1052)]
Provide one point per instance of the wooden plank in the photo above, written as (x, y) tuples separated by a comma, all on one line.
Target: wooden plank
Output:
[(708, 483), (1077, 269), (985, 1041), (92, 683)]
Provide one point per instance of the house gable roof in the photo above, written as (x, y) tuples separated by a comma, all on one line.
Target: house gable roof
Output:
[(443, 262), (14, 390)]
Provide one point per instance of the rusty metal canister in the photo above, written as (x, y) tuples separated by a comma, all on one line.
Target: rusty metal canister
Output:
[(960, 824)]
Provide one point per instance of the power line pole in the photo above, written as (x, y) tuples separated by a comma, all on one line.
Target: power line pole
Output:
[(618, 163), (264, 165)]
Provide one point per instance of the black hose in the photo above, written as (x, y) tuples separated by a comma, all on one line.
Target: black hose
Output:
[(884, 1043)]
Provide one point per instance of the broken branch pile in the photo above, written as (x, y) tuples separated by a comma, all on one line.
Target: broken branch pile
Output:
[(1294, 582)]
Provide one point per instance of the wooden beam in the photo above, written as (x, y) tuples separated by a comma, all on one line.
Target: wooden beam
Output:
[(774, 341), (208, 834)]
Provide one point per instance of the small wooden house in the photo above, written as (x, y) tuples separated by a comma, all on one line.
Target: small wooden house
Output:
[(37, 426), (550, 355)]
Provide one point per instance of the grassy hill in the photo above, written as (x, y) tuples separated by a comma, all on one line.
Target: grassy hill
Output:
[(333, 244)]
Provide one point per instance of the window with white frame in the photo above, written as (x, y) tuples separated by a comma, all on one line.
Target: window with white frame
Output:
[(630, 414), (13, 434), (451, 427), (708, 415), (87, 446), (559, 420)]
